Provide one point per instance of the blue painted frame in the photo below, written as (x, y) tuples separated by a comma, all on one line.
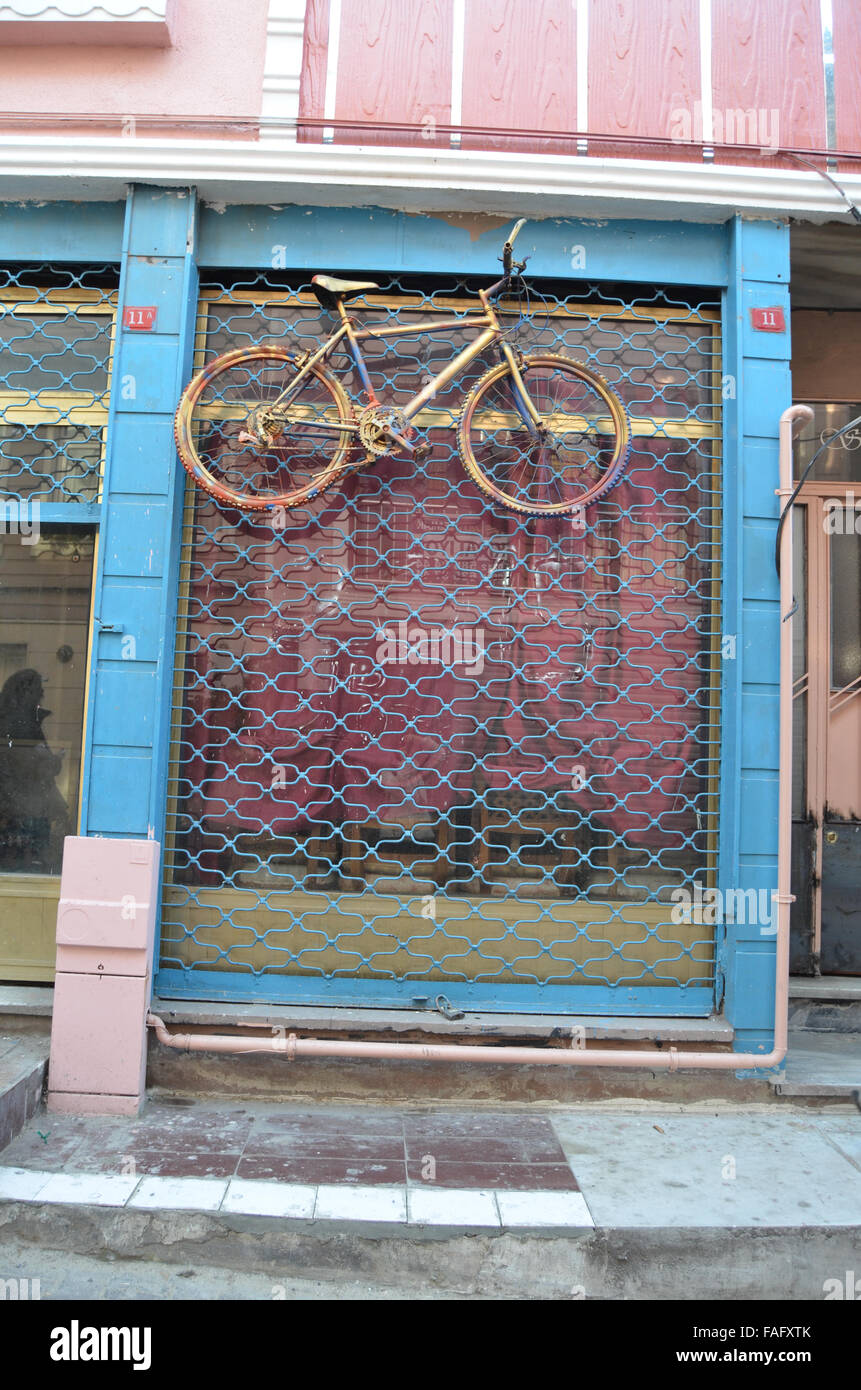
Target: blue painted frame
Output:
[(128, 715), (759, 277), (603, 1000), (165, 242)]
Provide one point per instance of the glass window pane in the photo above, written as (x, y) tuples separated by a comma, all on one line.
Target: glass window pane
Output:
[(58, 463), (842, 459), (46, 581), (845, 609), (67, 351), (799, 662)]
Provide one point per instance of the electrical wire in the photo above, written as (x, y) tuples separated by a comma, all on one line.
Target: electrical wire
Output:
[(834, 184)]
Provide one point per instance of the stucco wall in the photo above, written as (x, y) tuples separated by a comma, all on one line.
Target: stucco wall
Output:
[(214, 68)]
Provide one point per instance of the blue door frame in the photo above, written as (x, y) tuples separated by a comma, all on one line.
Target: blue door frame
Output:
[(161, 239)]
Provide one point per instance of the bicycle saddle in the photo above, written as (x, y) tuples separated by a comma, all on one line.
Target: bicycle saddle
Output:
[(329, 290)]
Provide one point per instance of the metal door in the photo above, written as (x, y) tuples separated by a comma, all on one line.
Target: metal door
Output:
[(826, 918)]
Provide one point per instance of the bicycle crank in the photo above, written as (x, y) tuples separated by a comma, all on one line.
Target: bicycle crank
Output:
[(380, 426)]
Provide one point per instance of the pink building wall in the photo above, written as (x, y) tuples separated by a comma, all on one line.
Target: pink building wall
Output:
[(214, 68)]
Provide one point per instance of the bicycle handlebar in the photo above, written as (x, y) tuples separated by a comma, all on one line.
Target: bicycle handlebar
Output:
[(508, 263), (507, 248)]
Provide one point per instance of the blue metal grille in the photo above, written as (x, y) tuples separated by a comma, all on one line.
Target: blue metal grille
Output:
[(423, 745), (56, 330)]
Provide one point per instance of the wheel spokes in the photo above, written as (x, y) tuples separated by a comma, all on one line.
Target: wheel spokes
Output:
[(566, 461), (247, 445)]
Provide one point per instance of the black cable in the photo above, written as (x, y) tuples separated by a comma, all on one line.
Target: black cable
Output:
[(834, 184), (800, 484)]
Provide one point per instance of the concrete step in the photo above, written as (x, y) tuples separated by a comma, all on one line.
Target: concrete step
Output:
[(65, 1276), (821, 1065), (825, 1003), (661, 1201), (654, 1262), (835, 987), (431, 1020), (321, 1081), (23, 1070)]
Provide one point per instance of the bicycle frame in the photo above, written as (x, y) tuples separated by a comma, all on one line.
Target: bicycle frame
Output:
[(491, 332), (381, 427)]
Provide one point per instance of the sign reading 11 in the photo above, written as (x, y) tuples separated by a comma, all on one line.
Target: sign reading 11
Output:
[(140, 316)]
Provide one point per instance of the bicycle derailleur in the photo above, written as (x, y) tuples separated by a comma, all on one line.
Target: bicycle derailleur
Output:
[(262, 430)]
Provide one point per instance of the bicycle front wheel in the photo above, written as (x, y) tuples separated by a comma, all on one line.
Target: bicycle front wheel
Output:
[(299, 449), (570, 457)]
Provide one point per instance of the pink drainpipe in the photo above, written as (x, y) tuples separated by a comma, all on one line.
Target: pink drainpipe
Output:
[(652, 1059)]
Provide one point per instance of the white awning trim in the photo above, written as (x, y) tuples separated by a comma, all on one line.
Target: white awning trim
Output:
[(414, 179)]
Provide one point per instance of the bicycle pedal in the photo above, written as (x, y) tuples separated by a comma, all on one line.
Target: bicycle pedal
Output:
[(421, 452)]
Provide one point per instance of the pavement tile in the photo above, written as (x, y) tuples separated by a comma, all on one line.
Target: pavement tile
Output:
[(179, 1194), (331, 1122), (321, 1170), (448, 1148), (270, 1199), (361, 1147), (429, 1206), (170, 1165), (21, 1184), (540, 1209), (730, 1169), (361, 1204), (31, 1150), (89, 1189), (513, 1176), (476, 1124), (844, 1133), (199, 1137)]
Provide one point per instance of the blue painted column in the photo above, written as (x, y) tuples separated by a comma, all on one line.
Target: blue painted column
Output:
[(125, 769), (759, 279)]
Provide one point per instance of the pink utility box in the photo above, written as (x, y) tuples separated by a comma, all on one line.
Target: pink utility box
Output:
[(105, 939)]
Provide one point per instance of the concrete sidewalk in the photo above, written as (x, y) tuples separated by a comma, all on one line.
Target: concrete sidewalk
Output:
[(620, 1200)]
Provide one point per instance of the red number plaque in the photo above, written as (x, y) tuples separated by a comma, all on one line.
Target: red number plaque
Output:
[(141, 317)]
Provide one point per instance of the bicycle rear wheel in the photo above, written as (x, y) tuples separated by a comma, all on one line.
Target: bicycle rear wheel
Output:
[(304, 450), (570, 460)]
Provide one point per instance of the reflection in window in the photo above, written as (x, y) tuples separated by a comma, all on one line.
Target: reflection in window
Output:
[(46, 582), (65, 456), (840, 461), (54, 352), (55, 345), (799, 663), (845, 610)]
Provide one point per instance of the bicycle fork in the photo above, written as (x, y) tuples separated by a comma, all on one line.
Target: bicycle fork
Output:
[(522, 399)]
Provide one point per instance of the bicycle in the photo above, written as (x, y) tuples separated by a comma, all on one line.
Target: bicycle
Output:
[(540, 434)]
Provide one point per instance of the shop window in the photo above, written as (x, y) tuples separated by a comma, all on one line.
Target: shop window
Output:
[(46, 582), (55, 349), (56, 337)]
